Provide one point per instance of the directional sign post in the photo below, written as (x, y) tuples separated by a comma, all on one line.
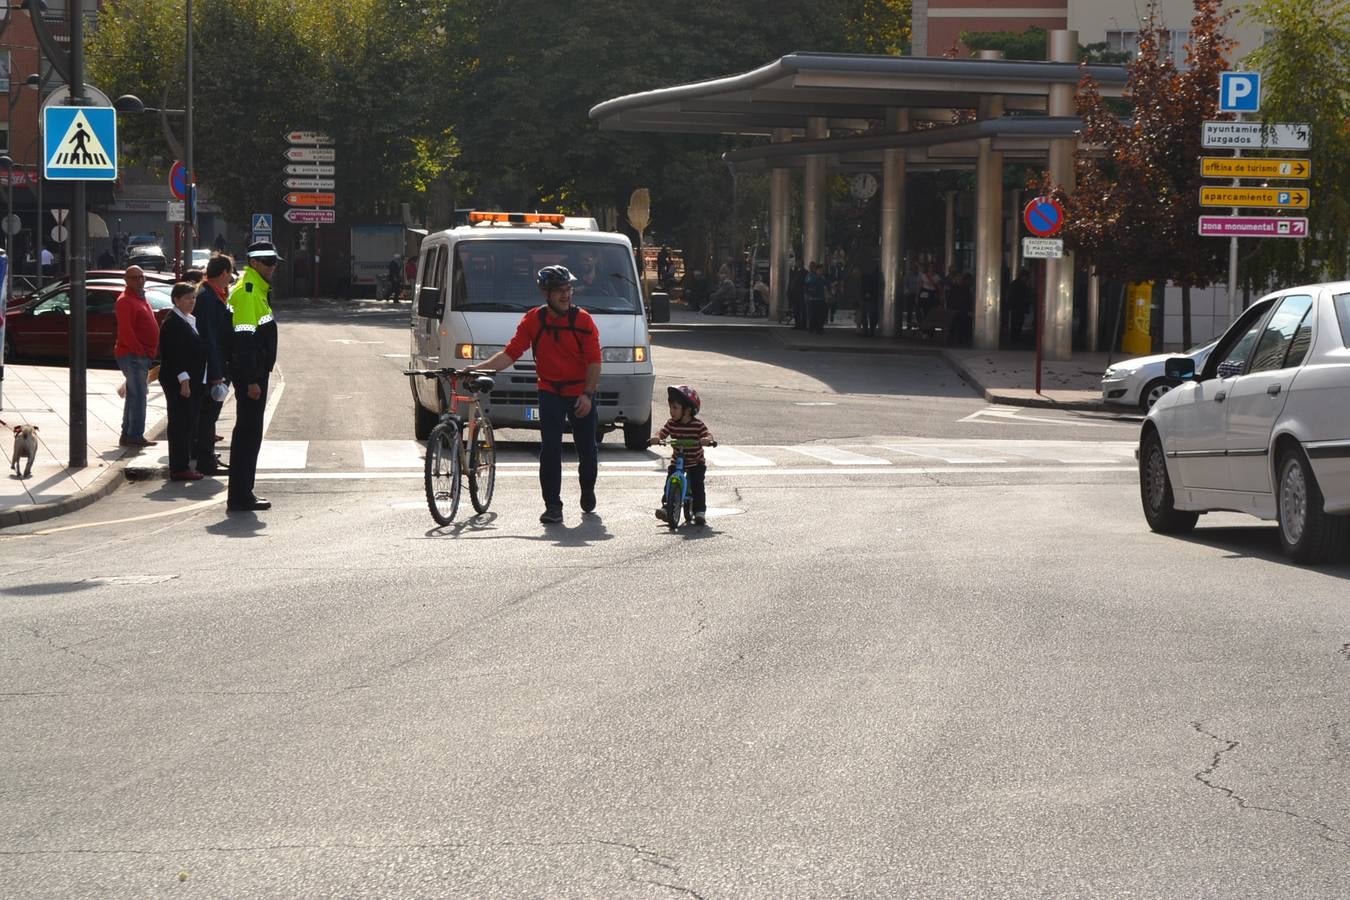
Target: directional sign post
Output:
[(1254, 167), (310, 216), (1256, 136), (1271, 198), (308, 137), (311, 184), (310, 199), (311, 154), (311, 170), (1253, 226)]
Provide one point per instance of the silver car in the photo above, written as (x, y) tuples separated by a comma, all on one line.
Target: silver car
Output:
[(1263, 427), (1142, 380)]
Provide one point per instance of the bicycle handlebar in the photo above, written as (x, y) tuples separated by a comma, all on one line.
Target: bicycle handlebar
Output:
[(448, 373), (682, 443)]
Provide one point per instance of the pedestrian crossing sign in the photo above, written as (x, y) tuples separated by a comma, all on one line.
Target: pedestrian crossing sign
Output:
[(262, 222), (79, 143)]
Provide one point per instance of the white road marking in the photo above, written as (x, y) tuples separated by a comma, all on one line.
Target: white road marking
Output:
[(283, 455), (392, 454), (731, 457), (1013, 415), (944, 452), (730, 472), (836, 456)]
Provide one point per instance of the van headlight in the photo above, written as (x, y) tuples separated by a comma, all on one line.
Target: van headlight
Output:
[(477, 351), (624, 354)]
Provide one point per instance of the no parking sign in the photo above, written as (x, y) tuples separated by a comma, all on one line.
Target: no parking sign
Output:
[(1043, 216)]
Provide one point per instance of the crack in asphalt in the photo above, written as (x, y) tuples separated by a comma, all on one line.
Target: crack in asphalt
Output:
[(1204, 776), (69, 648), (654, 858)]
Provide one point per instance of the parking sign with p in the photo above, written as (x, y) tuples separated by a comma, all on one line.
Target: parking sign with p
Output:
[(1240, 92)]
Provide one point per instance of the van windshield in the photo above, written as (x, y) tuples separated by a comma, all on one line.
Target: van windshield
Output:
[(499, 276)]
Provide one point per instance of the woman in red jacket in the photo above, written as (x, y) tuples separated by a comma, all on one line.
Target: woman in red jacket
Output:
[(136, 348)]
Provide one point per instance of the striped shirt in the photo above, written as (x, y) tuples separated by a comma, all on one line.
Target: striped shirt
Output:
[(693, 430)]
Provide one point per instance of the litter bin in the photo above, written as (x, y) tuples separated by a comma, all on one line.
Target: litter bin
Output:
[(659, 310)]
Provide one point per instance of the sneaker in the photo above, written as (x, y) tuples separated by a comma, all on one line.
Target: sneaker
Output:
[(699, 519), (588, 501), (661, 514), (551, 516)]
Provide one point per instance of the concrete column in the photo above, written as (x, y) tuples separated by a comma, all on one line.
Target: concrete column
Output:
[(780, 222), (1094, 309), (1058, 332), (813, 197), (949, 235), (1013, 208), (892, 222), (988, 233)]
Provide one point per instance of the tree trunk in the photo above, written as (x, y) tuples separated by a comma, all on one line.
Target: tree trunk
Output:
[(1186, 316)]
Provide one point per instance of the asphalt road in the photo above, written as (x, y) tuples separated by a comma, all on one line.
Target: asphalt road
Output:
[(925, 648)]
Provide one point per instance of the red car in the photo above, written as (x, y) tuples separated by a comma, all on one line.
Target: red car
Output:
[(40, 326)]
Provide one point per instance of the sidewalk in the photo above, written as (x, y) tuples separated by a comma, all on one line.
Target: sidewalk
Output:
[(1000, 376), (40, 395)]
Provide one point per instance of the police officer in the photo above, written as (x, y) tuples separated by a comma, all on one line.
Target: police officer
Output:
[(254, 353)]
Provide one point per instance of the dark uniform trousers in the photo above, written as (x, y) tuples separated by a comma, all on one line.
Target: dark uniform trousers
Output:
[(246, 441)]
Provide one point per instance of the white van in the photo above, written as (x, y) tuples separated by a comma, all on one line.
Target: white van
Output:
[(475, 282)]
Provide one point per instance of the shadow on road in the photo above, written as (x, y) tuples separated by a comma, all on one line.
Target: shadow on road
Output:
[(1259, 542)]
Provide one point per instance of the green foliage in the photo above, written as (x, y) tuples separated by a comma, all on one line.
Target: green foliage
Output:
[(1306, 78), (1033, 44)]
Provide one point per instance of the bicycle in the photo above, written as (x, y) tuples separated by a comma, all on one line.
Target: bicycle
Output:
[(676, 497), (459, 444)]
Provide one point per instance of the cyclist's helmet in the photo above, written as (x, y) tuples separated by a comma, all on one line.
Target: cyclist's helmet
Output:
[(554, 277), (685, 395)]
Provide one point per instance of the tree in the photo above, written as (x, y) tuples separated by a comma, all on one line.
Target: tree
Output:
[(1305, 62), (1134, 211), (1033, 43)]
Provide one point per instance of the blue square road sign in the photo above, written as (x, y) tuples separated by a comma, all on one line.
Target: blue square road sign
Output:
[(79, 143), (1240, 92)]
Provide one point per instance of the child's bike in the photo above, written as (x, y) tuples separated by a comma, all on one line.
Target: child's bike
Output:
[(676, 498), (459, 443)]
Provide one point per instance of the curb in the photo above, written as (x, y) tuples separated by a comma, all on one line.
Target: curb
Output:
[(994, 395), (112, 479)]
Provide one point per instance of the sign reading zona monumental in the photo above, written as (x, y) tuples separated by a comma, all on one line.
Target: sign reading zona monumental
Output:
[(1253, 226)]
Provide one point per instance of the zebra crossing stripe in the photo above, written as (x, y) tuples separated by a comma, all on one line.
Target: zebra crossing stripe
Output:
[(836, 456), (732, 458), (283, 455), (392, 454)]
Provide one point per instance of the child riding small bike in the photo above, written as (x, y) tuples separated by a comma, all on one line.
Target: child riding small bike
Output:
[(688, 435)]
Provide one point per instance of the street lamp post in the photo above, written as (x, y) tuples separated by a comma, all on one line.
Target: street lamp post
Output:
[(9, 206)]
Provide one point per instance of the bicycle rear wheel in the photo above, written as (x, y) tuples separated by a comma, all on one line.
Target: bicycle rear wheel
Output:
[(442, 472), (482, 465)]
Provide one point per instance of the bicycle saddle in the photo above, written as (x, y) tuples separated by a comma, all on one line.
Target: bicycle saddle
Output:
[(481, 383)]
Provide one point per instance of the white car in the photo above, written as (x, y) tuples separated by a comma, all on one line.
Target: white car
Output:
[(1142, 380), (1263, 427)]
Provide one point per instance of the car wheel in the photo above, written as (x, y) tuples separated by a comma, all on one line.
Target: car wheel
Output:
[(1155, 490), (1153, 392), (637, 434), (1307, 533), (423, 419)]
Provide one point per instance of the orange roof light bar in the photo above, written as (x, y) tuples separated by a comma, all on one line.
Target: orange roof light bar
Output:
[(517, 218)]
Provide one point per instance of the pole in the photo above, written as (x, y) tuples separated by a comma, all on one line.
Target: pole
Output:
[(79, 229), (190, 175), (1042, 285), (314, 273), (1233, 303)]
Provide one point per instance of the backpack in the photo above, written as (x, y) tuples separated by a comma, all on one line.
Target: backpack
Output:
[(546, 325)]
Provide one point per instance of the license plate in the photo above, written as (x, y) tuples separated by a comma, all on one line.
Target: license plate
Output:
[(531, 414)]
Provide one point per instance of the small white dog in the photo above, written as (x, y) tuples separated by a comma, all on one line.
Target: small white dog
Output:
[(25, 444)]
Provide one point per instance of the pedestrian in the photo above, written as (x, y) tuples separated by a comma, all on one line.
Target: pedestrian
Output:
[(253, 355), (409, 274), (182, 375), (220, 242), (816, 304), (193, 276), (215, 323), (566, 346), (909, 295), (930, 286), (395, 274), (1019, 303), (869, 289), (136, 347), (796, 295), (684, 425), (834, 281), (48, 261), (106, 260)]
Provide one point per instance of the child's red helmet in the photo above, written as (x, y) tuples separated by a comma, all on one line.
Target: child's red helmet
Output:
[(685, 395)]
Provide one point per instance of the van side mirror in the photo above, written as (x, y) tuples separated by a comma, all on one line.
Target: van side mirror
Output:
[(429, 302), (1182, 368)]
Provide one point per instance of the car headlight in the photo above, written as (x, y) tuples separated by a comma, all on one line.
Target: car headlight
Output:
[(477, 351), (624, 354)]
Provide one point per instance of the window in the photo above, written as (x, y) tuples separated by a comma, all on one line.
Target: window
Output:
[(1123, 41), (1230, 355), (1126, 40), (1279, 333), (500, 276), (1342, 302), (4, 70), (4, 137)]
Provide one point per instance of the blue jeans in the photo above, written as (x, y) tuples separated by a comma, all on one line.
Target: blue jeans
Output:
[(136, 369), (554, 411)]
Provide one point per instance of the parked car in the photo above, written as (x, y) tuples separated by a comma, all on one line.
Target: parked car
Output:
[(1142, 380), (200, 258), (40, 327), (1263, 427), (149, 257)]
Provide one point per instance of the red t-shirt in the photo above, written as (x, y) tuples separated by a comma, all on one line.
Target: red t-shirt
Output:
[(137, 330), (565, 349)]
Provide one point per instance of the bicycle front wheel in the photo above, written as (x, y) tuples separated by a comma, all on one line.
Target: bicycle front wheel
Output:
[(674, 493), (442, 472), (482, 465)]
